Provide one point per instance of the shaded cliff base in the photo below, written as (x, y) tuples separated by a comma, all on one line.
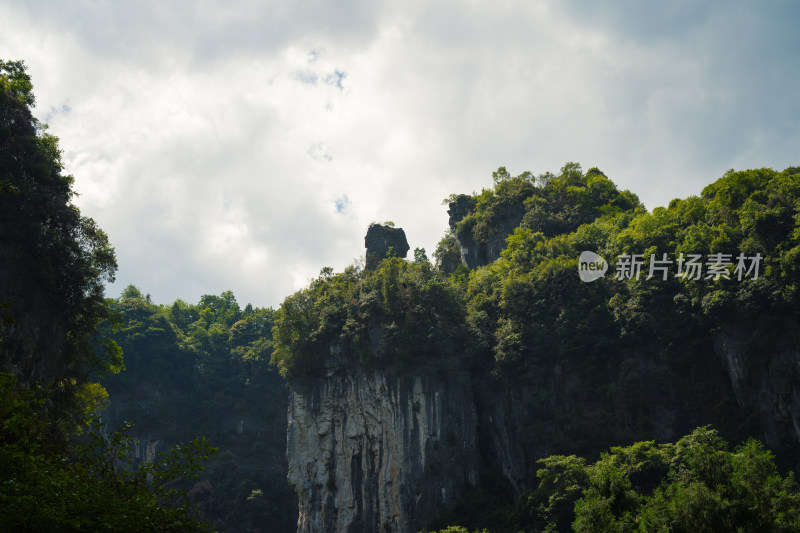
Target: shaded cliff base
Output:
[(374, 448), (736, 381)]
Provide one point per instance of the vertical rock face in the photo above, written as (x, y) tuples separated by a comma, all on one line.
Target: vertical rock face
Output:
[(373, 451), (461, 206), (383, 241), (475, 253), (765, 382), (470, 253), (370, 450)]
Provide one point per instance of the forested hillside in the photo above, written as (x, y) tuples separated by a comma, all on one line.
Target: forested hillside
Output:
[(203, 369)]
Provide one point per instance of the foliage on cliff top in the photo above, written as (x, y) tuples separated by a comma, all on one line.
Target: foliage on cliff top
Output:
[(547, 203), (530, 306), (402, 312), (604, 361), (532, 302)]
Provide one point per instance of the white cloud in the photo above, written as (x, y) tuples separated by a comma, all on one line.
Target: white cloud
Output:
[(246, 147)]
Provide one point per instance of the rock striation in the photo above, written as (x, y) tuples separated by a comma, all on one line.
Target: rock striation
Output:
[(370, 450), (765, 383), (472, 255)]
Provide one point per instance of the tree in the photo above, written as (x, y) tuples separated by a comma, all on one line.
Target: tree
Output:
[(53, 264), (91, 487), (53, 261), (695, 484)]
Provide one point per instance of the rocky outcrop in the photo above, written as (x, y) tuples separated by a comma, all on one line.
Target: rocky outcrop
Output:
[(384, 241), (478, 252), (502, 226), (460, 207), (370, 450), (765, 380), (472, 255)]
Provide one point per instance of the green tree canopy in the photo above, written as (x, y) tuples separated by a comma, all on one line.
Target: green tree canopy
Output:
[(53, 261), (694, 484), (53, 264)]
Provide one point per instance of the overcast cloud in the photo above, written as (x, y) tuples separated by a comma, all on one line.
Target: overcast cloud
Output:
[(245, 146)]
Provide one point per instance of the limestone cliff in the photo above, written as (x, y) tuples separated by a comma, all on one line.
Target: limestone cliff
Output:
[(547, 366), (765, 381), (478, 252), (371, 450)]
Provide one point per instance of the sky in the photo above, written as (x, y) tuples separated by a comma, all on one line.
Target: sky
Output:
[(246, 145)]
